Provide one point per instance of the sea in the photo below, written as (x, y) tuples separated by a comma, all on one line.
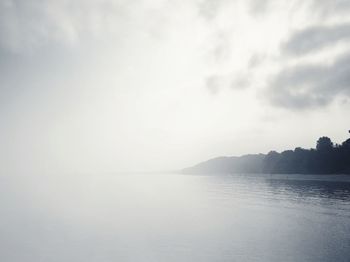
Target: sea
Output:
[(174, 218)]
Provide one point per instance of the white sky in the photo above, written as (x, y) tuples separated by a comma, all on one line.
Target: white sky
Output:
[(113, 86)]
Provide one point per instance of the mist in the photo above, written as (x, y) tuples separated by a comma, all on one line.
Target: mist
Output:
[(112, 86), (108, 109)]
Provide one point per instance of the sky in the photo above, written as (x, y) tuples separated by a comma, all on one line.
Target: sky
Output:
[(90, 86)]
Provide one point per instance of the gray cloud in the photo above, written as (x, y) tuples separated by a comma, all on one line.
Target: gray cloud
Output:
[(315, 38), (209, 9), (241, 82), (259, 6), (237, 81), (256, 60), (213, 84), (221, 50), (27, 25), (308, 86), (329, 7)]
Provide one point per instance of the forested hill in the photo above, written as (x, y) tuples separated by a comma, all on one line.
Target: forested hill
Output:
[(326, 158)]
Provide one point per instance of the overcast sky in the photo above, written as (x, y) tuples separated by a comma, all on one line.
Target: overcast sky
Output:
[(120, 85)]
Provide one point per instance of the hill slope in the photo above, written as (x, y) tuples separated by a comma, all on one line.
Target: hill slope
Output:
[(327, 158)]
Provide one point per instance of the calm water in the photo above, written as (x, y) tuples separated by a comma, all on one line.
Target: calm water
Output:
[(173, 218)]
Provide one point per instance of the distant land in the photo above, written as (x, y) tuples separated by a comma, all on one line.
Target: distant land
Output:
[(326, 158)]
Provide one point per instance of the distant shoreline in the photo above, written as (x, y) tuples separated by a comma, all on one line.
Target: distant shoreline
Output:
[(326, 159), (301, 177)]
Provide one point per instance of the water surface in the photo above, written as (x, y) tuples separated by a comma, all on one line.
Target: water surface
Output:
[(174, 218)]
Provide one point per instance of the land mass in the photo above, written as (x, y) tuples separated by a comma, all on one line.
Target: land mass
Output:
[(326, 158)]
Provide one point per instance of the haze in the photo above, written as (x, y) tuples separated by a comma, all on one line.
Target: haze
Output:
[(114, 86)]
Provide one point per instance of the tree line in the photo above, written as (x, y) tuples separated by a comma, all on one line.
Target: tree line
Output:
[(326, 158)]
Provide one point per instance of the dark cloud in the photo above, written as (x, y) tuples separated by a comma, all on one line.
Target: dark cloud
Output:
[(308, 86), (314, 85), (316, 38)]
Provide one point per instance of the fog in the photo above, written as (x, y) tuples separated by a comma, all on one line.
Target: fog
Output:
[(113, 86), (102, 102)]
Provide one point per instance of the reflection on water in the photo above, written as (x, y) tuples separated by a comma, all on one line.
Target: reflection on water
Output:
[(174, 218)]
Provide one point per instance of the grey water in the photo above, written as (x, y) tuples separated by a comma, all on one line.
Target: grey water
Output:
[(174, 218)]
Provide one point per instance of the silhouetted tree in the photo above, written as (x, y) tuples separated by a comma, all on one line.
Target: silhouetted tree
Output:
[(327, 158), (324, 144), (270, 162)]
